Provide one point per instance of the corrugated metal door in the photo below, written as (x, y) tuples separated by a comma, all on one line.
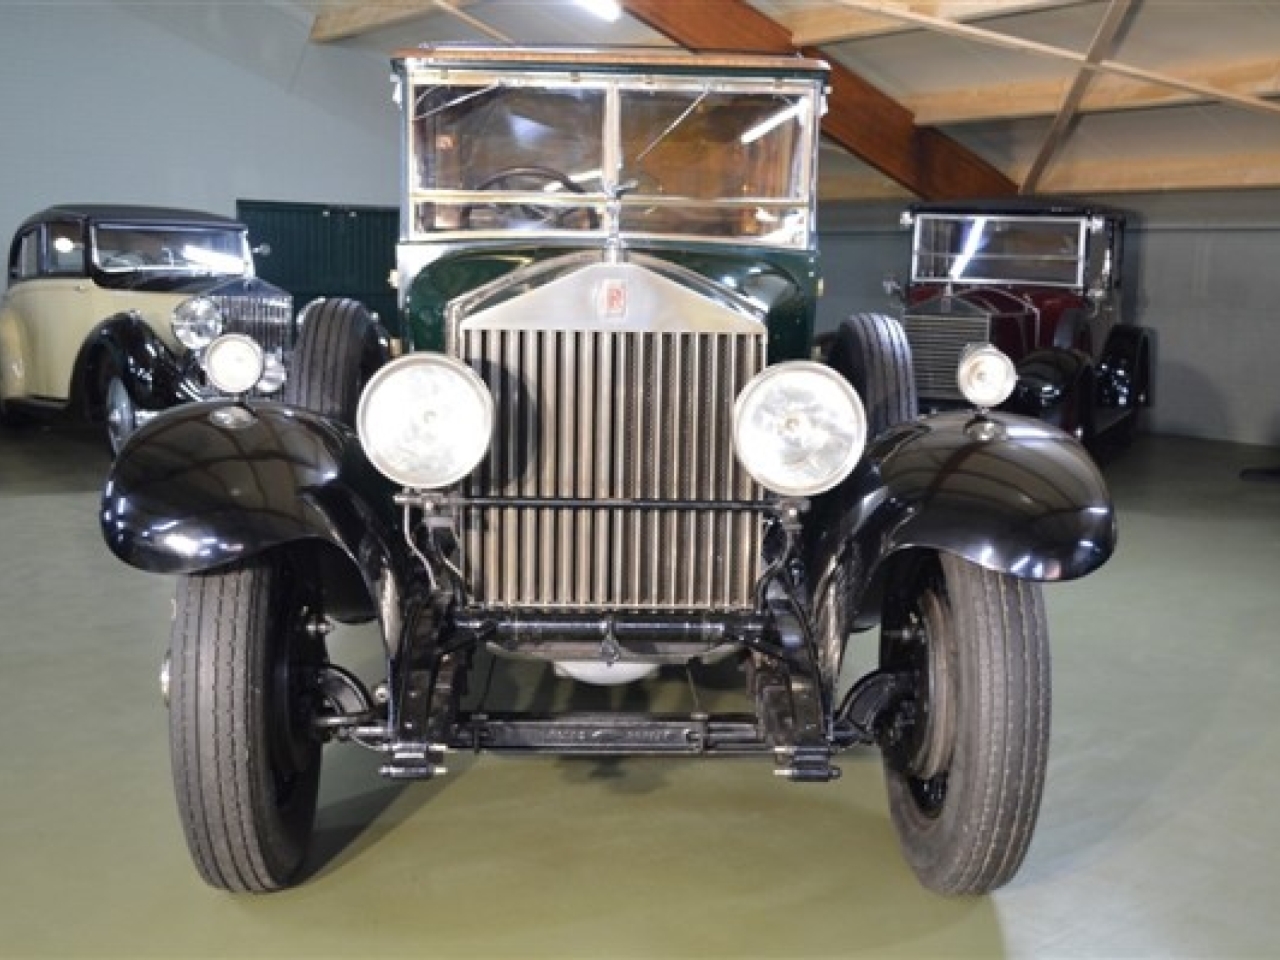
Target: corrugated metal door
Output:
[(326, 250)]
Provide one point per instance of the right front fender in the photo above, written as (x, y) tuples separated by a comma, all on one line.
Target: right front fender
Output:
[(194, 490)]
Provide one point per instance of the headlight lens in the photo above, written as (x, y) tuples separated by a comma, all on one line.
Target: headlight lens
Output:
[(196, 322), (234, 363), (985, 376), (425, 420), (799, 428)]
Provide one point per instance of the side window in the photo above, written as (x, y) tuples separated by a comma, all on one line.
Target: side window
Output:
[(24, 261), (66, 249)]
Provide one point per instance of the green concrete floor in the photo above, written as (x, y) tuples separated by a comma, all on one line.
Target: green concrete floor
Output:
[(1156, 837)]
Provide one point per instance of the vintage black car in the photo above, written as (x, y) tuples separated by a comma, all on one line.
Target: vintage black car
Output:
[(1039, 279), (609, 447), (110, 309)]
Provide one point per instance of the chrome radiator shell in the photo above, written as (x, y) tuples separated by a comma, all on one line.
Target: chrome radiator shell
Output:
[(937, 339), (268, 318), (611, 483)]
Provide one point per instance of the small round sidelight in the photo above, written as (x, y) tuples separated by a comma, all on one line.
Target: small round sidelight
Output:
[(234, 363), (985, 375)]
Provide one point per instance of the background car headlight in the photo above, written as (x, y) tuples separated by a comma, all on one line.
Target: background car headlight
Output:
[(985, 376), (234, 363), (273, 374), (425, 420), (799, 428), (196, 322)]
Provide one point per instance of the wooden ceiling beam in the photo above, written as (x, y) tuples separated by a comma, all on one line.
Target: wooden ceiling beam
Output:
[(827, 23), (1107, 92), (1104, 41), (1097, 177), (992, 38), (862, 119), (335, 23)]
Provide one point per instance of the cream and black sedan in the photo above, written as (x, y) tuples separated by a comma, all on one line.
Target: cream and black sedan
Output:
[(109, 309)]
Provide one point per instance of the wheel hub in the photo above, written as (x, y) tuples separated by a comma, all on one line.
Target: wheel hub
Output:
[(920, 731)]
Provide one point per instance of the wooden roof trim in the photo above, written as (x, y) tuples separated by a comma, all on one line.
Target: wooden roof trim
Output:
[(609, 57)]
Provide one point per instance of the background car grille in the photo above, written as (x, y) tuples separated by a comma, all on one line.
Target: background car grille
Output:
[(937, 341), (601, 420), (269, 320)]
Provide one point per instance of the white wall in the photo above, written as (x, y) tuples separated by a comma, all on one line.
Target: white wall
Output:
[(1201, 270), (186, 104)]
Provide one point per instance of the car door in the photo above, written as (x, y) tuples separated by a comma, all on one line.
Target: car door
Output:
[(54, 312), (24, 269)]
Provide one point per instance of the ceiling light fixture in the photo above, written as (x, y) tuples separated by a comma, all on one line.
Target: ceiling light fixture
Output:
[(609, 10)]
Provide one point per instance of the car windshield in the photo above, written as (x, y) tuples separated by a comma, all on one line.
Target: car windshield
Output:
[(683, 157), (992, 249), (205, 250)]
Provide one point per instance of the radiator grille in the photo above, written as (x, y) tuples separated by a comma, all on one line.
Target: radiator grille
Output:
[(269, 320), (937, 341), (600, 420)]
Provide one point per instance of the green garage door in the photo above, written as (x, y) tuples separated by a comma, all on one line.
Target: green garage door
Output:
[(325, 250)]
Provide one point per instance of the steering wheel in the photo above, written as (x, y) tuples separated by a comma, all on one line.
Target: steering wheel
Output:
[(125, 261), (529, 178)]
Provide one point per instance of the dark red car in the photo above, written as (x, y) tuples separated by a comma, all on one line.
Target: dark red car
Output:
[(1040, 282)]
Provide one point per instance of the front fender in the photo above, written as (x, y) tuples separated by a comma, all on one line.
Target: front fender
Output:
[(193, 490), (1047, 381), (153, 373), (1008, 493)]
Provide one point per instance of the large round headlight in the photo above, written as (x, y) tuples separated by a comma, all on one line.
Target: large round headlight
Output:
[(425, 420), (234, 363), (196, 322), (799, 428), (985, 376)]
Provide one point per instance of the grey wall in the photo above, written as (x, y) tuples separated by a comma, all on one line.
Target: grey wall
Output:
[(186, 104), (201, 104), (1201, 270)]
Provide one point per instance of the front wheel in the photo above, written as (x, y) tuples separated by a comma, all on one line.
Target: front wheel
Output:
[(965, 750), (118, 411), (243, 662), (340, 347), (872, 352)]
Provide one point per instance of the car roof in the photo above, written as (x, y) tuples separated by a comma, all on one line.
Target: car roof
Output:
[(130, 213), (607, 59), (1018, 206)]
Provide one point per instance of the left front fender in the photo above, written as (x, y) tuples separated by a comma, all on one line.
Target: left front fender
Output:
[(1008, 493)]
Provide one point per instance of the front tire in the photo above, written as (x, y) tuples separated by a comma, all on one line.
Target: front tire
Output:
[(339, 349), (872, 352), (965, 752), (242, 697), (119, 412)]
